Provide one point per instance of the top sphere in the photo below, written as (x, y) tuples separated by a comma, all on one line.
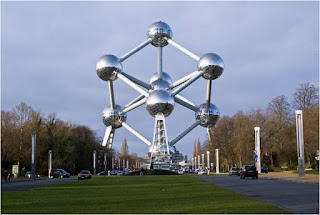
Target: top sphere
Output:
[(212, 65), (157, 33), (107, 67)]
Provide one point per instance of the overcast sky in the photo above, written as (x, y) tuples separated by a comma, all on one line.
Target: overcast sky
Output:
[(49, 51)]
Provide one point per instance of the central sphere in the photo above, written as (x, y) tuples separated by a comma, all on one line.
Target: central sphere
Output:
[(165, 77), (157, 33), (207, 117), (159, 85), (160, 101), (113, 117)]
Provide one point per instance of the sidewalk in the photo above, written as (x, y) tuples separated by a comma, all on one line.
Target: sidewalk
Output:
[(290, 176)]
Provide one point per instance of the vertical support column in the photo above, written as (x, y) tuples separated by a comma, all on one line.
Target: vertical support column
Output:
[(257, 149), (33, 155), (217, 161), (127, 164), (192, 163), (300, 143), (105, 161), (124, 164), (208, 162), (202, 156), (195, 163), (49, 162), (119, 164), (198, 161), (94, 162)]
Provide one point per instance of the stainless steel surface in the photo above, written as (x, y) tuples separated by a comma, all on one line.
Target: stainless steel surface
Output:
[(107, 67), (132, 84), (113, 117), (137, 134), (185, 104), (175, 140), (160, 101), (208, 93), (134, 105), (207, 116), (159, 62), (181, 97), (165, 77), (212, 65), (138, 98), (182, 80), (184, 50), (111, 93), (157, 32), (186, 84), (159, 85), (135, 50), (136, 81)]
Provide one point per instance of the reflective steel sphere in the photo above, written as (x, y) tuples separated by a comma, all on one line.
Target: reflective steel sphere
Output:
[(113, 117), (107, 67), (165, 77), (160, 101), (157, 31), (212, 65), (159, 85), (207, 117)]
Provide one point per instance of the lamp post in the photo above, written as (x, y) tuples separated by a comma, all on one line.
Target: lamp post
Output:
[(257, 149), (33, 155), (300, 143), (217, 161), (208, 162)]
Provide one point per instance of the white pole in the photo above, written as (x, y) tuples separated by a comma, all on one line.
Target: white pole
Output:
[(202, 156), (33, 155), (119, 163), (50, 163), (192, 163), (300, 143), (198, 161), (123, 164), (217, 161), (195, 163), (208, 162), (105, 161), (127, 164), (94, 162), (257, 148)]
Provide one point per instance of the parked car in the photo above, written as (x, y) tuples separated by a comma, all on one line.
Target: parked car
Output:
[(248, 171), (103, 173), (202, 171), (59, 173), (29, 174), (119, 172), (234, 171), (180, 171), (84, 174), (265, 170)]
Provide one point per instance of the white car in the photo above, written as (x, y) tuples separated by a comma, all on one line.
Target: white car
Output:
[(202, 171), (180, 171)]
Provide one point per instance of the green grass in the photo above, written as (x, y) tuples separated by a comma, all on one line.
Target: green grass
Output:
[(312, 172), (135, 194)]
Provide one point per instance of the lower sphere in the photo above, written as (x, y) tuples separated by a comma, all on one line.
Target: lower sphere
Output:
[(160, 101), (113, 117)]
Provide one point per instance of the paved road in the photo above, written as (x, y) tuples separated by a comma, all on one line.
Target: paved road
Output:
[(25, 185), (293, 196)]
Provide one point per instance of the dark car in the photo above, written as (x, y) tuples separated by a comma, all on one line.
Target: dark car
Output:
[(265, 170), (234, 171), (29, 174), (84, 174), (248, 171), (103, 173), (59, 173)]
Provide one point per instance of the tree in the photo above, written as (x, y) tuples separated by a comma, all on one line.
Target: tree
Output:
[(305, 96), (124, 148)]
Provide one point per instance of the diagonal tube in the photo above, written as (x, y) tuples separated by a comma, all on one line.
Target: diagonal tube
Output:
[(137, 134), (135, 100), (208, 94), (184, 50), (184, 133), (186, 104), (132, 84), (137, 81), (133, 106), (135, 50), (186, 84), (108, 136), (111, 92), (182, 80)]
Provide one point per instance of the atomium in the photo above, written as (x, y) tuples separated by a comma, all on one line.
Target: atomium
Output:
[(159, 95)]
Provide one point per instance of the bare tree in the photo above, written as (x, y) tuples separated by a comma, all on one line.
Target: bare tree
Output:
[(305, 96), (124, 148)]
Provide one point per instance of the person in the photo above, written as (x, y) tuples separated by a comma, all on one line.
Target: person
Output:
[(5, 175), (9, 176)]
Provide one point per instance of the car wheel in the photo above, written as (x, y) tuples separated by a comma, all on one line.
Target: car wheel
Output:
[(257, 177)]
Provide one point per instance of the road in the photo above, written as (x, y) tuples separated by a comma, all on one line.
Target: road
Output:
[(292, 196), (24, 185)]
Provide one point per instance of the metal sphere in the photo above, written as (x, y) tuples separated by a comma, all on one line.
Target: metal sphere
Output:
[(159, 85), (165, 77), (107, 67), (207, 117), (160, 101), (157, 32), (212, 65), (113, 117)]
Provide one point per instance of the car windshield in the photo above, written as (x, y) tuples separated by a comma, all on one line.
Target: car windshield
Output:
[(62, 171), (84, 172), (235, 168), (251, 168)]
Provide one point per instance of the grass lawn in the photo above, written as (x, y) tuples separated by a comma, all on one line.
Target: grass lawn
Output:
[(312, 172), (133, 194)]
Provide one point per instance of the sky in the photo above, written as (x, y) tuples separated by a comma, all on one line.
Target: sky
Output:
[(49, 51)]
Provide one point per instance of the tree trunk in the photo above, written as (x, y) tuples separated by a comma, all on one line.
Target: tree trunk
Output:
[(271, 160)]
